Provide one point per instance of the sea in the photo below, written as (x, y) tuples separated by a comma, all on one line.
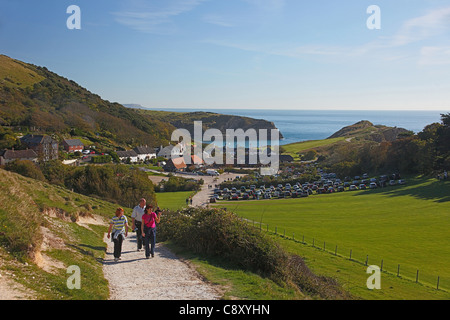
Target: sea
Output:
[(303, 125)]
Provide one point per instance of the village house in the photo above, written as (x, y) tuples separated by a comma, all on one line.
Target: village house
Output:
[(129, 154), (178, 164), (73, 145), (7, 156), (45, 146), (145, 153), (169, 151)]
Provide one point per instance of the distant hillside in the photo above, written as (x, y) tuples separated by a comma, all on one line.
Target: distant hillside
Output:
[(209, 119), (38, 100), (368, 131), (353, 136)]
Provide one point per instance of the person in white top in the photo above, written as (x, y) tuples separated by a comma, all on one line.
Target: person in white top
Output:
[(136, 217)]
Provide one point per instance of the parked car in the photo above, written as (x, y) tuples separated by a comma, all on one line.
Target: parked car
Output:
[(392, 183), (304, 194), (362, 186), (401, 182), (212, 199), (234, 197), (245, 196), (353, 187), (373, 185)]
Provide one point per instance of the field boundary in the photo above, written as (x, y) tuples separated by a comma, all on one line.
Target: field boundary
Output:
[(348, 256)]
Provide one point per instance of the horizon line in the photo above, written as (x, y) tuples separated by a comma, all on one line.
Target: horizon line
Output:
[(138, 106)]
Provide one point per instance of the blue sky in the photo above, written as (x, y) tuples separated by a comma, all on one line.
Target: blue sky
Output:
[(226, 54)]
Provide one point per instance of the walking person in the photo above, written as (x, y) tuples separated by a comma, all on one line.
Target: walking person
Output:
[(136, 217), (149, 221), (119, 228)]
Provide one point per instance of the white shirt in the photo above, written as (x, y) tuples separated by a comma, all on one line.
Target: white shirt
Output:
[(137, 213)]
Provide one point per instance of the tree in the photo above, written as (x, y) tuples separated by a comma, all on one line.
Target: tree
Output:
[(25, 168)]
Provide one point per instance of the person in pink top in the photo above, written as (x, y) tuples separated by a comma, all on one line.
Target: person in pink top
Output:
[(149, 221)]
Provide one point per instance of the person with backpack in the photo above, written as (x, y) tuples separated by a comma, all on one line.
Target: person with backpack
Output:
[(119, 228), (149, 221)]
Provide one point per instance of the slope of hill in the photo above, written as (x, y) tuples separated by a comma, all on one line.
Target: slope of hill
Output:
[(36, 98), (363, 132), (368, 131), (44, 229), (209, 120), (39, 100)]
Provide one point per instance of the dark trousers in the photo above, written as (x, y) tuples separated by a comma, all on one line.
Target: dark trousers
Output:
[(118, 246), (139, 238), (149, 241)]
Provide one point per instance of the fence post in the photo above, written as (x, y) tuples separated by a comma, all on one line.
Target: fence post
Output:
[(367, 259), (324, 246), (303, 241), (335, 251), (417, 276), (437, 287), (398, 271), (381, 269), (350, 254)]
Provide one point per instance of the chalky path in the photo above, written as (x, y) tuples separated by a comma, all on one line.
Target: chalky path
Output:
[(164, 277)]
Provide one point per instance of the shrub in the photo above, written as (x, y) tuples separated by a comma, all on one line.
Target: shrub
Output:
[(220, 233)]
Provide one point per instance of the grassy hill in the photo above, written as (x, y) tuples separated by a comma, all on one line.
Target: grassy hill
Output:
[(39, 100), (43, 230), (358, 134), (35, 99), (209, 120)]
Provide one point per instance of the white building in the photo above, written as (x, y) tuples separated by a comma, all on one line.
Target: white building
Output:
[(145, 153), (129, 154), (169, 151)]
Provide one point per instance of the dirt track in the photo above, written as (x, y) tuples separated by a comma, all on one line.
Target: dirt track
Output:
[(164, 277)]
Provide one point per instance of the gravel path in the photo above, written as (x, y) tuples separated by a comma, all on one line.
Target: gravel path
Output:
[(164, 277), (201, 198)]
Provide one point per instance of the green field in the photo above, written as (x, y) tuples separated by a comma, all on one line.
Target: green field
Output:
[(294, 148), (173, 200), (400, 225)]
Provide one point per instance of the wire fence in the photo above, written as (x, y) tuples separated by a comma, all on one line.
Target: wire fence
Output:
[(402, 271)]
